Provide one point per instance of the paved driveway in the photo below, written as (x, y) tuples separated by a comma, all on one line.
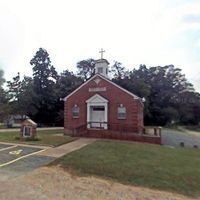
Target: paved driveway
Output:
[(173, 137), (18, 159)]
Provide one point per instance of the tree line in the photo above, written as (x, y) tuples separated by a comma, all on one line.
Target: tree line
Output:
[(170, 99)]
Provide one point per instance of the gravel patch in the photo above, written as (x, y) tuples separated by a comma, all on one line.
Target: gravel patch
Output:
[(48, 183)]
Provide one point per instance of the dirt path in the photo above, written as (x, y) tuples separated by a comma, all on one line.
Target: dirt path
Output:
[(55, 183)]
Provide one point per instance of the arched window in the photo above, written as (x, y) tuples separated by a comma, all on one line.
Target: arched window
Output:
[(121, 112), (75, 111)]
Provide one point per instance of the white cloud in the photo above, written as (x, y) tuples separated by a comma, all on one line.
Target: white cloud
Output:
[(133, 32)]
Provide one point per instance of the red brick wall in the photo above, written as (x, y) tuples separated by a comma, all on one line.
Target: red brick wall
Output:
[(34, 131), (115, 97), (121, 136)]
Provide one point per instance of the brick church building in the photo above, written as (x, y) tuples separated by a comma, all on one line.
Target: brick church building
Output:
[(100, 108)]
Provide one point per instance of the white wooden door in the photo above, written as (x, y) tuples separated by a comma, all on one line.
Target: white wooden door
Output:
[(97, 116)]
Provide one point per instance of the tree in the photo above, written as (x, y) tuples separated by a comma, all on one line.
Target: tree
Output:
[(2, 80), (188, 106), (4, 109), (119, 71), (67, 82), (44, 74), (133, 82), (27, 96), (170, 98), (86, 68), (21, 96), (44, 85), (14, 87)]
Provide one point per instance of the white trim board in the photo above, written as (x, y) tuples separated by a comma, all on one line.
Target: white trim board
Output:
[(97, 99)]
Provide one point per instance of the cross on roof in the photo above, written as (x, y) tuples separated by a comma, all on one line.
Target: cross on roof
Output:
[(101, 52)]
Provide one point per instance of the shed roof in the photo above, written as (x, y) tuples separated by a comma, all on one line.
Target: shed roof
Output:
[(30, 121)]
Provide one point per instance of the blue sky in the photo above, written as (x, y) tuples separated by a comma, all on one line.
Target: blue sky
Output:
[(156, 32)]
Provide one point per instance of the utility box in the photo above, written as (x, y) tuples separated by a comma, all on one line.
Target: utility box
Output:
[(28, 129)]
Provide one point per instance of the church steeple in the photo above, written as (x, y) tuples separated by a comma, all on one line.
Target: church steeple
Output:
[(101, 65)]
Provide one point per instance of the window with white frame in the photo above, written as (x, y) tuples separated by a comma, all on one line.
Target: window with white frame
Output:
[(75, 111), (121, 112)]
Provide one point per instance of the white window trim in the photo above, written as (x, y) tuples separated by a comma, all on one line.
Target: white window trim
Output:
[(121, 118), (75, 117), (97, 100)]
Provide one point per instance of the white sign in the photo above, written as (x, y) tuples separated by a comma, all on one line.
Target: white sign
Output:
[(97, 89)]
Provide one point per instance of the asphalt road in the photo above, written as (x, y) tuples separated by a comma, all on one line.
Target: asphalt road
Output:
[(173, 138)]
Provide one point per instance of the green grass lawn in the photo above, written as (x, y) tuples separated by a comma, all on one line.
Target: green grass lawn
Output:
[(46, 137), (153, 166), (2, 125)]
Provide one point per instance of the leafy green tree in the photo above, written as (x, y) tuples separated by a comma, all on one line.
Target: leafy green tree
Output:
[(86, 68), (2, 80), (67, 82), (14, 87), (27, 96), (163, 89), (44, 85), (133, 83), (188, 106), (21, 95), (166, 84), (4, 108), (119, 71)]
